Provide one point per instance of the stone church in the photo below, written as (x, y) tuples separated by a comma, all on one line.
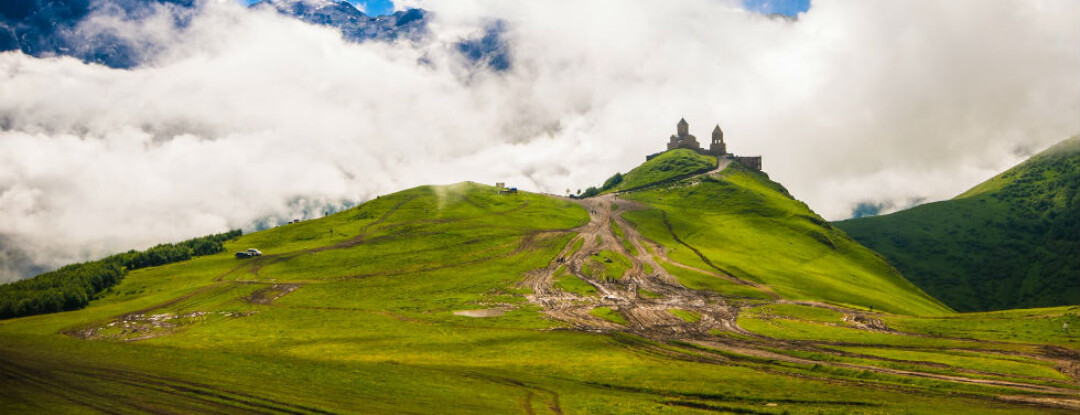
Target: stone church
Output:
[(683, 139)]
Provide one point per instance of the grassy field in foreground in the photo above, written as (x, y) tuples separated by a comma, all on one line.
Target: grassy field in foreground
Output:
[(1003, 348), (1040, 325), (354, 313)]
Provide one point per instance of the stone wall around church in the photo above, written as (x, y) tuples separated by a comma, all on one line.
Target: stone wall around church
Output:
[(751, 162)]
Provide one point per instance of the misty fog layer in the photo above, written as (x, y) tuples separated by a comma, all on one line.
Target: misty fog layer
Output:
[(245, 114)]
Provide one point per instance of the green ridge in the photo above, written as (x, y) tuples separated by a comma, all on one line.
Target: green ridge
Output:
[(1010, 242)]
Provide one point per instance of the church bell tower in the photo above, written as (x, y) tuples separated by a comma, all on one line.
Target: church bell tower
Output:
[(718, 147)]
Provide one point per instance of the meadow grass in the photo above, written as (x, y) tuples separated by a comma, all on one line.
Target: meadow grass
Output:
[(741, 217), (570, 283), (648, 294), (669, 165), (607, 265), (1039, 325), (621, 236), (795, 311), (685, 315), (608, 314), (907, 353), (703, 282), (799, 322), (986, 362)]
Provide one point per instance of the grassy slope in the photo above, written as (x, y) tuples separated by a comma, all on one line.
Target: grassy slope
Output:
[(980, 344), (666, 166), (1009, 242), (752, 228), (371, 329)]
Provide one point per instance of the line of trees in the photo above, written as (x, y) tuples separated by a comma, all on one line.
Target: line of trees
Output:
[(169, 253), (608, 184), (73, 286)]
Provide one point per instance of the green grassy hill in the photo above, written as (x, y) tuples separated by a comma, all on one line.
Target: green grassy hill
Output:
[(461, 300), (1009, 242), (741, 223), (666, 166)]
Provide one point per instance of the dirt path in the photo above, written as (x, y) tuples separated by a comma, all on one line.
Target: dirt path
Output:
[(646, 293), (643, 295)]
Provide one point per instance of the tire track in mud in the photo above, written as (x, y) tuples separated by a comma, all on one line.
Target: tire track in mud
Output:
[(34, 379), (203, 392), (268, 295), (648, 315)]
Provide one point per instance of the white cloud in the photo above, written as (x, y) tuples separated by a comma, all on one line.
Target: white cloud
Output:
[(246, 114)]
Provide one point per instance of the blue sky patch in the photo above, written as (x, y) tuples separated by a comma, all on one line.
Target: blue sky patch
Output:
[(374, 7), (784, 7)]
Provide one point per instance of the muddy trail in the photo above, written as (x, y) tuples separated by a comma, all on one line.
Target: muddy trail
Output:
[(645, 294)]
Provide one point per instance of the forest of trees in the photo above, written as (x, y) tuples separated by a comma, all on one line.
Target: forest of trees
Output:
[(73, 286)]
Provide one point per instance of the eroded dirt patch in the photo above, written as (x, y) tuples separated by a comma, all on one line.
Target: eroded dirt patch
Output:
[(481, 313), (142, 326), (269, 294), (644, 295)]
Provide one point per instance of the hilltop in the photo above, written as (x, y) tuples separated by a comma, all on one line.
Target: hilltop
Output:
[(729, 220), (666, 167), (697, 293), (1008, 242)]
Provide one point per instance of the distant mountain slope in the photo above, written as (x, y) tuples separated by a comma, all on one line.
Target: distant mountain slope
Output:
[(48, 28), (354, 24), (740, 223), (44, 28), (1012, 241)]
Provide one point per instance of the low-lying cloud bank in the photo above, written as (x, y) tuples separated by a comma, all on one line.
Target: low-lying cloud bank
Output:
[(246, 114)]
